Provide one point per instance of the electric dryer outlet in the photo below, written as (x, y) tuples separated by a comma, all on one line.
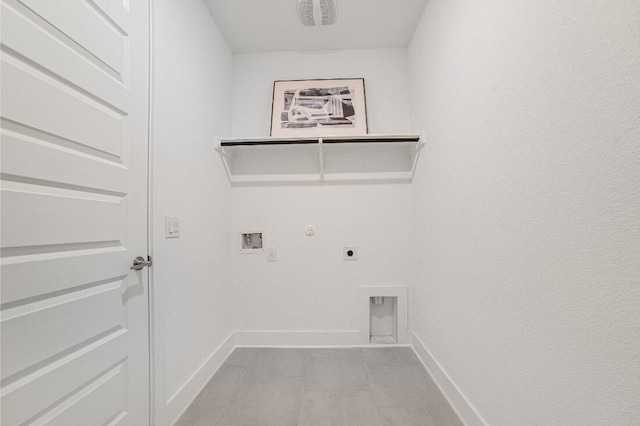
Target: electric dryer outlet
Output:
[(350, 253)]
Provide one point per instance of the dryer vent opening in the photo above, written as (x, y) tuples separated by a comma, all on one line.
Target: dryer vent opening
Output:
[(383, 320)]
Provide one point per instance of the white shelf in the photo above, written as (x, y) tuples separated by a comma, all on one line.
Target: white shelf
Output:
[(368, 158)]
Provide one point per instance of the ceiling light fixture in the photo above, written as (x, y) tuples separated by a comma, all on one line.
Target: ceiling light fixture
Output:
[(317, 12)]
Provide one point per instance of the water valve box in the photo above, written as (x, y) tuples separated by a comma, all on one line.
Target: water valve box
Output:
[(251, 242)]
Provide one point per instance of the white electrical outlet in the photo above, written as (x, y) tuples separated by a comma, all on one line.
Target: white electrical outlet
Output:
[(272, 256), (350, 253)]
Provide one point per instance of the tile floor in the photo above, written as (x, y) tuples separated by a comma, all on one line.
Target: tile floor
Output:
[(351, 387)]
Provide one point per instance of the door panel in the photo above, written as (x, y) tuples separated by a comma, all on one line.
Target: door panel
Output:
[(97, 401), (85, 24), (23, 156), (47, 329), (104, 216), (60, 58), (74, 120), (53, 108), (65, 376), (30, 275)]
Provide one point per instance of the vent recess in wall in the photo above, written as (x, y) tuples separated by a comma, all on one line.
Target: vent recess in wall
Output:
[(317, 12)]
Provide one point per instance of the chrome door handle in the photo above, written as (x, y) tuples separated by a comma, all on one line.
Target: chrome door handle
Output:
[(139, 263)]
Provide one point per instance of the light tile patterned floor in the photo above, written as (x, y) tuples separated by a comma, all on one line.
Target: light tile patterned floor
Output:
[(347, 387)]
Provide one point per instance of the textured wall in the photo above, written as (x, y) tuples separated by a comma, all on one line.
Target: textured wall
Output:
[(528, 283), (192, 75)]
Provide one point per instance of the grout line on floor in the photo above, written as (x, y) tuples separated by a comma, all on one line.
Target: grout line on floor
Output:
[(366, 367), (304, 385), (226, 407)]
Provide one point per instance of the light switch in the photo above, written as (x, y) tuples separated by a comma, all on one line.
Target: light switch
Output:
[(171, 227)]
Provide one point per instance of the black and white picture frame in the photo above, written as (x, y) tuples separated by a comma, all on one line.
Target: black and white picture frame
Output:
[(319, 108)]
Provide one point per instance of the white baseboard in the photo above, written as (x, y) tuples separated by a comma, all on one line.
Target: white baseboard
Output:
[(465, 410), (180, 401), (298, 338)]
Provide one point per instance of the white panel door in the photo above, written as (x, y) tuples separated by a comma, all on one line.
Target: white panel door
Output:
[(74, 120)]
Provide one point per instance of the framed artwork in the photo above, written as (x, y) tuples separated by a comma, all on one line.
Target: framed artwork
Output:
[(304, 108)]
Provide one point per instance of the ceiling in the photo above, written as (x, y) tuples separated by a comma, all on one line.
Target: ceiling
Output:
[(251, 26)]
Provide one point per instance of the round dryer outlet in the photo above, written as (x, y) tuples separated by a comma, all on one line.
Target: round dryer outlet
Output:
[(350, 253)]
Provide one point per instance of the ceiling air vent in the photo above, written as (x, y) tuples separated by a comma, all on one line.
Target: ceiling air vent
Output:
[(317, 12)]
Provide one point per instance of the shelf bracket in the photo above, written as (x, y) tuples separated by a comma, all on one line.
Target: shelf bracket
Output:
[(225, 158), (321, 159), (220, 151), (416, 155)]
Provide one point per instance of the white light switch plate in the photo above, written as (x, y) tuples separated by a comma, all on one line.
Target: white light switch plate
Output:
[(171, 227)]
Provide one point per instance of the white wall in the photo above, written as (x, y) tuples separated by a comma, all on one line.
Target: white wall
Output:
[(192, 288), (310, 287), (529, 206), (384, 72)]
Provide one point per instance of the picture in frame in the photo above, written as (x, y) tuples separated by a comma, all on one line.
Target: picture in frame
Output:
[(302, 108)]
